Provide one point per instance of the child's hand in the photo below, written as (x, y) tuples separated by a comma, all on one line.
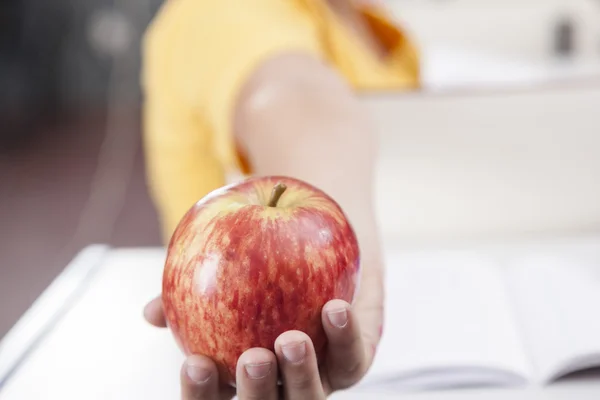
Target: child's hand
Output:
[(349, 356)]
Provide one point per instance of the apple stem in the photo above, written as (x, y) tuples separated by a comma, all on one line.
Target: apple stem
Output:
[(278, 190)]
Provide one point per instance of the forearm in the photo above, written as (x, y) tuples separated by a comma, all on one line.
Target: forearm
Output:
[(298, 118)]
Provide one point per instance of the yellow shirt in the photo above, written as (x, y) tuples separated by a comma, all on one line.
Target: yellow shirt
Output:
[(197, 54)]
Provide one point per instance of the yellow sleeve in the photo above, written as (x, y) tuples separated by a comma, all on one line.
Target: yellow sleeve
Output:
[(197, 56)]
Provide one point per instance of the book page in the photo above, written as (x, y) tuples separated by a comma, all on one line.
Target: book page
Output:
[(557, 301), (447, 323)]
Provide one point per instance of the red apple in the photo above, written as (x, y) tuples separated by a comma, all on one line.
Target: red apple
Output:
[(253, 260)]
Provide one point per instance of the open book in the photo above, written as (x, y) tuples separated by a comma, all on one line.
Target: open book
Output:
[(491, 317)]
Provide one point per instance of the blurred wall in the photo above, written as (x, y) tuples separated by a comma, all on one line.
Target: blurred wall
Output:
[(100, 33), (67, 48), (517, 28), (62, 52)]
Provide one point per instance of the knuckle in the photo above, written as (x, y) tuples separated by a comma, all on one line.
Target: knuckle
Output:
[(256, 395), (350, 341), (262, 390), (352, 368), (300, 380), (345, 375), (348, 375), (259, 390), (348, 357)]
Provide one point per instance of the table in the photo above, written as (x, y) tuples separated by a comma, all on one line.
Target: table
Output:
[(86, 334)]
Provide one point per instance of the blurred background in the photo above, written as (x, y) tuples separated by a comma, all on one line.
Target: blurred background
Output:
[(523, 72)]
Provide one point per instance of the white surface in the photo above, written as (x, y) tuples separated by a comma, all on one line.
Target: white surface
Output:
[(488, 164), (48, 308), (448, 323), (509, 29), (558, 301), (472, 315), (516, 150), (103, 349), (495, 44), (451, 67)]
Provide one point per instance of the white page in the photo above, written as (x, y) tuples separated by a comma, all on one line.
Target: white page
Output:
[(448, 323), (557, 301)]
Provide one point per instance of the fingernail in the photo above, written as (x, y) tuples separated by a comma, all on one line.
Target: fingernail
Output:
[(258, 371), (294, 352), (198, 374), (338, 318)]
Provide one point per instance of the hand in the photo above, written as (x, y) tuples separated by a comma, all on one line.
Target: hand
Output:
[(350, 352)]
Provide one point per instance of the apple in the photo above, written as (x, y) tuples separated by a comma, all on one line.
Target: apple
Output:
[(252, 260)]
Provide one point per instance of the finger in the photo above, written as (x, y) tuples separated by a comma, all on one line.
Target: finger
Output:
[(199, 379), (298, 366), (256, 375), (154, 314), (346, 359)]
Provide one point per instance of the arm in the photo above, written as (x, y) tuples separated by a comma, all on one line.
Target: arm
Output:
[(297, 117), (264, 87), (195, 65)]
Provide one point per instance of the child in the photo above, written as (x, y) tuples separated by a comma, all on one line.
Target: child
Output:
[(269, 87)]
